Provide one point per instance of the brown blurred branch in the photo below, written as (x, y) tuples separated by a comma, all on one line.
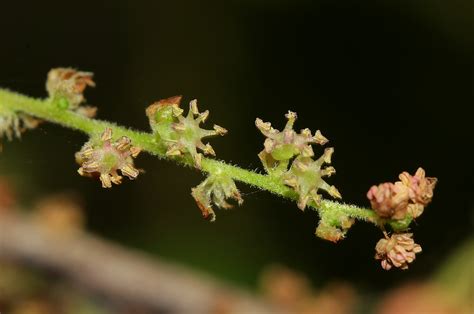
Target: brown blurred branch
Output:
[(110, 270)]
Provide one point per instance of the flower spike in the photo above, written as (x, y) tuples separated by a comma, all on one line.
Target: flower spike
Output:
[(182, 135), (216, 188), (103, 157)]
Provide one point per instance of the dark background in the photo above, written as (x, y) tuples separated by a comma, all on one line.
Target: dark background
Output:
[(389, 83)]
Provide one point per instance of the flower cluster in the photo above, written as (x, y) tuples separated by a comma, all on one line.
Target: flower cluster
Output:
[(404, 199), (305, 175), (408, 196), (398, 250), (216, 188), (103, 157), (66, 86), (181, 135)]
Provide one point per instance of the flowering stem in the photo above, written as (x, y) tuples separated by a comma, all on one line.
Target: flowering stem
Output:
[(52, 111)]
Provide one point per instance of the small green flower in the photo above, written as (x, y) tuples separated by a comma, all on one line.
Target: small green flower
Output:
[(182, 135), (103, 157), (215, 189), (306, 177), (281, 146)]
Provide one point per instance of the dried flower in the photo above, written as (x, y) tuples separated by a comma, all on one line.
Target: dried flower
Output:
[(69, 84), (306, 177), (389, 200), (103, 157), (216, 188), (420, 187), (281, 146), (182, 135), (406, 197), (398, 250)]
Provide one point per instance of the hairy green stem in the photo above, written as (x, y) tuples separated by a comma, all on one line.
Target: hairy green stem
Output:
[(50, 111)]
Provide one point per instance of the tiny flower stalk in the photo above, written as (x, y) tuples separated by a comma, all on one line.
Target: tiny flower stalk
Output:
[(215, 189), (103, 157), (182, 135)]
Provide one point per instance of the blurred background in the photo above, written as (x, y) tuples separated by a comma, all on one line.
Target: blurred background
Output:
[(390, 83)]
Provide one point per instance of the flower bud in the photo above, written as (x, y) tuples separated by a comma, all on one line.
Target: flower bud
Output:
[(333, 224), (330, 233)]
